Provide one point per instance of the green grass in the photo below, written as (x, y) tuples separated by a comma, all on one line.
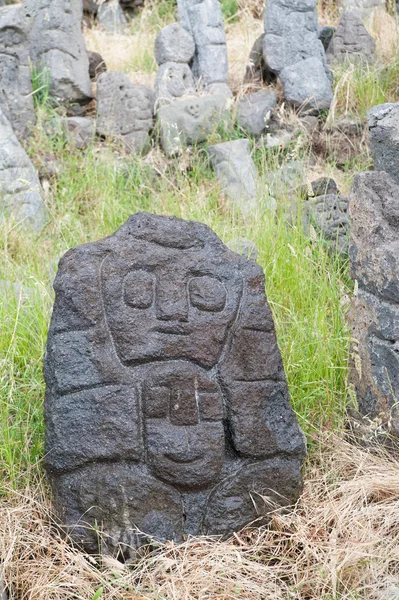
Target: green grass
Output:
[(90, 199)]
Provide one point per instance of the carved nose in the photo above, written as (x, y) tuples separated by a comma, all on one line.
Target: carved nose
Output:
[(172, 301)]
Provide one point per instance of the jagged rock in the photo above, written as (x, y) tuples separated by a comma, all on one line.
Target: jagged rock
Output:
[(20, 190), (203, 20), (237, 173), (328, 214), (325, 35), (383, 122), (351, 41), (362, 8), (57, 45), (111, 17), (244, 247), (374, 316), (292, 50), (124, 110), (96, 64), (190, 120), (257, 70), (174, 44), (254, 111), (167, 409), (16, 99), (173, 81), (80, 131)]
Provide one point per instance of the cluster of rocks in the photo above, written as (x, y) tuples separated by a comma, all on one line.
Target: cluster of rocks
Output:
[(111, 14)]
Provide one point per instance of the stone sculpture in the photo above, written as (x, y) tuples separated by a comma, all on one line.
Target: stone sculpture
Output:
[(374, 317), (111, 17), (293, 51), (174, 80), (191, 120), (351, 41), (174, 44), (237, 173), (203, 19), (20, 191), (167, 409), (16, 100), (383, 122), (124, 110), (254, 111), (57, 45)]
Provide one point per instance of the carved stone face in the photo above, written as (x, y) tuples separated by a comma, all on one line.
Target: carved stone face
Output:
[(167, 303), (183, 423)]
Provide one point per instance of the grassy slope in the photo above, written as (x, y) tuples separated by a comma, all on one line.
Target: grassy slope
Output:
[(96, 191)]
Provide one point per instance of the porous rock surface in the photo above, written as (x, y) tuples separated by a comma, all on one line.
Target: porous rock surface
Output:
[(383, 122), (56, 43), (124, 110), (190, 120), (16, 100), (292, 50), (254, 111), (174, 44), (167, 409), (204, 21), (20, 191), (351, 41), (374, 317), (236, 171)]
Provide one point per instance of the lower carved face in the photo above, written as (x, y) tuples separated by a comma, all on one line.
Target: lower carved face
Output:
[(167, 304), (184, 430)]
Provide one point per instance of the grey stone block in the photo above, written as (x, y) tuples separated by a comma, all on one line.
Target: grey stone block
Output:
[(306, 85), (174, 44), (254, 111)]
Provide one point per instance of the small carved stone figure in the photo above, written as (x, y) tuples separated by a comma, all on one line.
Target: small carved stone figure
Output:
[(57, 44), (204, 20), (16, 100), (173, 81), (191, 120), (125, 110), (351, 41), (167, 409), (374, 316)]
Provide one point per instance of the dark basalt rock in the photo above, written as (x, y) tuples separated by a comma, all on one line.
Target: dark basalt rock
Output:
[(167, 409)]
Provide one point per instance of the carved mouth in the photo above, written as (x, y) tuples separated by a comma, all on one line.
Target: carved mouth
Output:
[(175, 329)]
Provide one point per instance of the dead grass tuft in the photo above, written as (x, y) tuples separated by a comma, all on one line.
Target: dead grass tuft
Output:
[(341, 541)]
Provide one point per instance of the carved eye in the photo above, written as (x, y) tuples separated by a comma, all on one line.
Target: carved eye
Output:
[(138, 289), (207, 293)]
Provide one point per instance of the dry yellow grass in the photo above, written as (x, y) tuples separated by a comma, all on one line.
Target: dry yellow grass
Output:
[(340, 542)]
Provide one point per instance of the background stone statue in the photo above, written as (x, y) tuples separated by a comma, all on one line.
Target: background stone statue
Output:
[(167, 409)]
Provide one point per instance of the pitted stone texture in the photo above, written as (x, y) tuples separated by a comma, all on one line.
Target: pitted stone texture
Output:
[(16, 100), (124, 110), (292, 50), (351, 41), (203, 20), (111, 17), (237, 173), (57, 44), (362, 8), (374, 254), (174, 44), (191, 120), (328, 214), (20, 191), (254, 111), (174, 80), (166, 406), (383, 122)]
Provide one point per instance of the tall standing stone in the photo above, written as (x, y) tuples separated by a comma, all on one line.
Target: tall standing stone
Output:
[(16, 99), (167, 409), (57, 45), (204, 20), (293, 51), (374, 254), (20, 191)]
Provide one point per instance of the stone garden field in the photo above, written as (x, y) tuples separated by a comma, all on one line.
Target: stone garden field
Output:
[(199, 285)]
